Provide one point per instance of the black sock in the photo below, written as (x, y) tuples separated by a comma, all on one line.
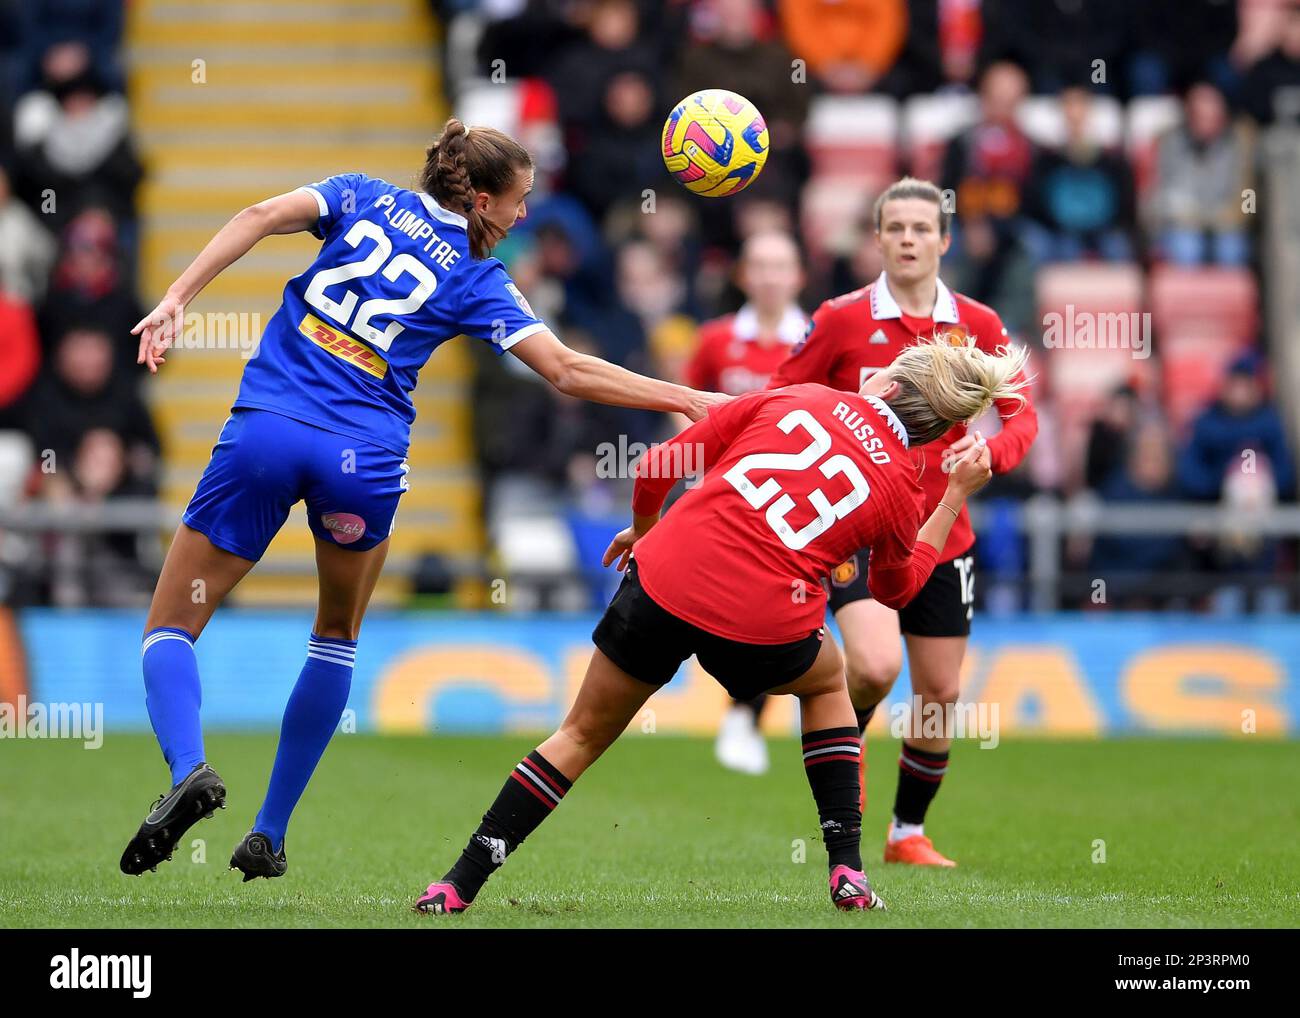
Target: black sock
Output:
[(864, 718), (830, 758), (755, 705), (532, 791), (919, 774)]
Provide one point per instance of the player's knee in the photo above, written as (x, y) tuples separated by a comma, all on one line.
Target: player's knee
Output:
[(944, 691), (871, 677)]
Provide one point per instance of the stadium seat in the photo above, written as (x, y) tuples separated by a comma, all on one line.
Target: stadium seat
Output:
[(854, 138), (1148, 117), (1193, 362), (1041, 118), (1220, 300), (830, 210), (928, 122), (1079, 378)]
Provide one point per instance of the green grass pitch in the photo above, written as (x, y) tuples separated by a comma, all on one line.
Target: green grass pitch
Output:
[(1196, 833)]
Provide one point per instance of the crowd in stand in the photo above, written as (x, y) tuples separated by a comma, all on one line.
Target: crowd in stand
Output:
[(635, 281), (622, 261), (73, 425)]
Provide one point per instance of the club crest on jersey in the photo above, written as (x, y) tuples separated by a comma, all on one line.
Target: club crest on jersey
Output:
[(845, 573), (808, 331), (343, 346), (956, 335), (521, 300)]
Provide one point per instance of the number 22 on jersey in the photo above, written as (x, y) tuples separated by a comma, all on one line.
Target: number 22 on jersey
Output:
[(762, 494), (341, 309)]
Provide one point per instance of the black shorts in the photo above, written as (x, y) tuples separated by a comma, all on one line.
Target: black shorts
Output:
[(943, 607), (650, 643)]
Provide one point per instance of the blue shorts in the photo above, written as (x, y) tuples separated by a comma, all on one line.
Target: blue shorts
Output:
[(265, 462)]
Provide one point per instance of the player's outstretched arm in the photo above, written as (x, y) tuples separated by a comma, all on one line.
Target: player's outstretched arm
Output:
[(894, 585), (586, 377), (285, 213)]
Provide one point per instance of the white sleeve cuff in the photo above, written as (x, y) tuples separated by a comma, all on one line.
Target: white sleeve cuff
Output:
[(320, 200), (524, 333)]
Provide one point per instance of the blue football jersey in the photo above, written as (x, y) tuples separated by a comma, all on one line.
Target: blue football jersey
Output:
[(393, 280)]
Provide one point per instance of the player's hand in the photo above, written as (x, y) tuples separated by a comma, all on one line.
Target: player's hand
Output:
[(960, 446), (973, 470), (621, 548), (157, 331), (702, 402)]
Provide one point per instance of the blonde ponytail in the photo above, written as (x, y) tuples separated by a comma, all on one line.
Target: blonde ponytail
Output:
[(946, 381)]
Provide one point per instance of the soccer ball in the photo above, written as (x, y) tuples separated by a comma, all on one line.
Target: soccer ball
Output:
[(715, 142)]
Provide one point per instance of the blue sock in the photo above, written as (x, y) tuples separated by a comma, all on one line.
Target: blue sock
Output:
[(310, 718), (172, 696)]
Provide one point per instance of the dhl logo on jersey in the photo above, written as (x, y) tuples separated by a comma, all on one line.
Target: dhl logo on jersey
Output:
[(343, 346)]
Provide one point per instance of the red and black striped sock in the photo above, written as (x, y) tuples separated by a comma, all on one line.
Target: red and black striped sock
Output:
[(919, 774), (532, 791), (830, 758)]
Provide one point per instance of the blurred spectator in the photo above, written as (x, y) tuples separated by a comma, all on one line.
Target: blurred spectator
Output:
[(1278, 70), (942, 47), (738, 353), (20, 353), (82, 394), (95, 25), (27, 249), (580, 74), (1203, 166), (1241, 432), (1133, 566), (103, 568), (73, 140), (1109, 437), (848, 45), (621, 155), (987, 167), (857, 260), (90, 284), (525, 35), (1080, 197), (732, 48), (1173, 42), (1058, 42), (672, 229)]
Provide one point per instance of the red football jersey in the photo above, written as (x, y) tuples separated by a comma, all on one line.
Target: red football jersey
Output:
[(728, 357), (854, 336), (795, 481)]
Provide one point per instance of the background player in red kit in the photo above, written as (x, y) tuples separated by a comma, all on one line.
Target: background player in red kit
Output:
[(737, 354), (794, 480), (851, 338)]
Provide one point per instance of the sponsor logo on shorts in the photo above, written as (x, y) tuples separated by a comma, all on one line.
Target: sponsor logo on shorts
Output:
[(343, 346), (346, 527), (845, 573)]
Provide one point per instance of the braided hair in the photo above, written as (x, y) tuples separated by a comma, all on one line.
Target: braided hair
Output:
[(461, 163)]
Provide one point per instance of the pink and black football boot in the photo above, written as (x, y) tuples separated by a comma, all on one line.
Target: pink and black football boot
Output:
[(441, 898), (850, 891)]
